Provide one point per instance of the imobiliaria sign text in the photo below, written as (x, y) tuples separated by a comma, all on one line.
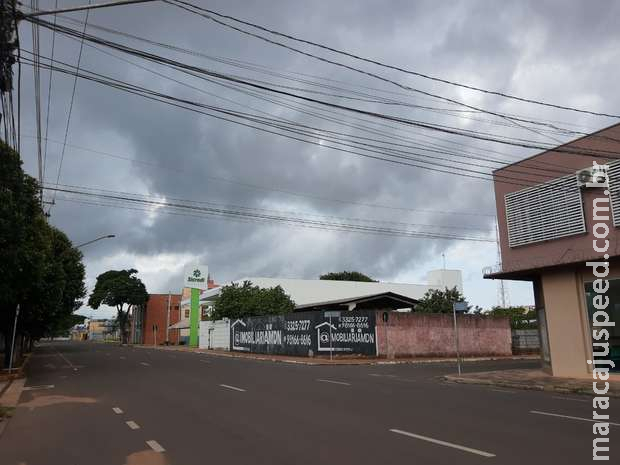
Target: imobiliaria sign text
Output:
[(601, 321)]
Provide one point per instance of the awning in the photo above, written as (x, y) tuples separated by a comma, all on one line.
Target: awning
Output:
[(183, 324)]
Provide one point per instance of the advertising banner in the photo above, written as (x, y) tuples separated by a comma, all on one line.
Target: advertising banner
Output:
[(301, 334)]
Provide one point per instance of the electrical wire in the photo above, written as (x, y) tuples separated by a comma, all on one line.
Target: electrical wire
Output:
[(392, 67)]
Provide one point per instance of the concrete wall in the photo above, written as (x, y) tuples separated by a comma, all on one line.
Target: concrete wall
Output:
[(525, 341), (432, 335), (219, 337)]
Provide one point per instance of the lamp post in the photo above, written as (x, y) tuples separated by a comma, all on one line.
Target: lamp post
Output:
[(108, 236)]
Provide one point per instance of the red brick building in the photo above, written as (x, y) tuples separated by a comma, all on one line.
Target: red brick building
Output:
[(162, 311)]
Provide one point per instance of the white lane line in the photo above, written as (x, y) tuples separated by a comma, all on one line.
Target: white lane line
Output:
[(117, 410), (66, 360), (571, 417), (333, 382), (569, 398), (35, 388), (132, 424), (444, 443), (155, 446), (145, 364), (232, 387)]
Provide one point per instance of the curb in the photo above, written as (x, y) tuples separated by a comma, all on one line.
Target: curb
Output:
[(320, 362), (10, 398), (526, 387)]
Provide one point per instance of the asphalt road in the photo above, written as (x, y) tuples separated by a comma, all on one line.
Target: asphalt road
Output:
[(101, 404)]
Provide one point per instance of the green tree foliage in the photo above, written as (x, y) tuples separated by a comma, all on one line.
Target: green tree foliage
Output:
[(40, 269), (347, 276), (120, 289), (438, 301), (520, 317), (239, 301)]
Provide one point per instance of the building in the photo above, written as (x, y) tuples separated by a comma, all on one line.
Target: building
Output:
[(102, 329), (182, 326), (551, 223), (313, 294), (152, 325)]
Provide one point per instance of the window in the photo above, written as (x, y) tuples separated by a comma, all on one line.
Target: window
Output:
[(548, 211), (187, 313)]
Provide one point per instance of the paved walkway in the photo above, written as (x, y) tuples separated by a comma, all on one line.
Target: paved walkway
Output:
[(532, 379)]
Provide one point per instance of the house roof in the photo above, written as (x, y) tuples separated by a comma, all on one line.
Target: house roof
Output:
[(312, 292), (395, 299)]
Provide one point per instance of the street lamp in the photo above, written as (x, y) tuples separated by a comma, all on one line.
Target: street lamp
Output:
[(109, 236)]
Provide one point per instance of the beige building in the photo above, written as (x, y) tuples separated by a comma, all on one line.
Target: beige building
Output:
[(552, 222)]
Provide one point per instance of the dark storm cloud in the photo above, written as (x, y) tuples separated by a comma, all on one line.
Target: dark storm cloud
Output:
[(491, 44)]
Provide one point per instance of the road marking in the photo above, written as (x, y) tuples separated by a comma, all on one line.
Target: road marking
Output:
[(145, 364), (232, 387), (66, 360), (334, 382), (443, 443), (132, 424), (569, 398), (570, 417), (34, 388), (117, 410), (155, 446), (503, 390)]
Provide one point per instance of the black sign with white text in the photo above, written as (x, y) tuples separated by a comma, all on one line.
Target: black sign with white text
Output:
[(299, 333)]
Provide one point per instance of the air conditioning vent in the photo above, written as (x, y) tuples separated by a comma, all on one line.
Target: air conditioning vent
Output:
[(596, 175)]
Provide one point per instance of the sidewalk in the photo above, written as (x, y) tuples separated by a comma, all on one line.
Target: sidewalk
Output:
[(532, 379), (9, 400), (324, 360)]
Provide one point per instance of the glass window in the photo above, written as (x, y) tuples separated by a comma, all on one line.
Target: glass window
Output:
[(613, 310)]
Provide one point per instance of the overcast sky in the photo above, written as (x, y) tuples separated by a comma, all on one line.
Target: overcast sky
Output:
[(561, 52)]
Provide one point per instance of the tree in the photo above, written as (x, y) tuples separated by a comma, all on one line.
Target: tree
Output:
[(239, 301), (40, 269), (347, 276), (520, 317), (438, 301), (120, 289)]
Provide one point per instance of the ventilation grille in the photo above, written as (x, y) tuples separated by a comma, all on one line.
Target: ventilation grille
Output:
[(548, 211)]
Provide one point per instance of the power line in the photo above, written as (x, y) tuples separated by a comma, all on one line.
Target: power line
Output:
[(378, 63), (524, 143), (273, 189), (253, 214), (79, 59), (301, 132), (49, 95), (182, 103)]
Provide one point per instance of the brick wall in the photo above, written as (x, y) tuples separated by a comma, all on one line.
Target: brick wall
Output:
[(432, 335), (156, 313)]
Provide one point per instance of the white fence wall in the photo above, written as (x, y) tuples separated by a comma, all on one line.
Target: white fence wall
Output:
[(215, 334)]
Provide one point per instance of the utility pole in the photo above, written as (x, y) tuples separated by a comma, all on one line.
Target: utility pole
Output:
[(168, 319), (13, 341), (8, 44)]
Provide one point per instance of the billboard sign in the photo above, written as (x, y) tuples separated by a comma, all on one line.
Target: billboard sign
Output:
[(195, 277), (299, 333)]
